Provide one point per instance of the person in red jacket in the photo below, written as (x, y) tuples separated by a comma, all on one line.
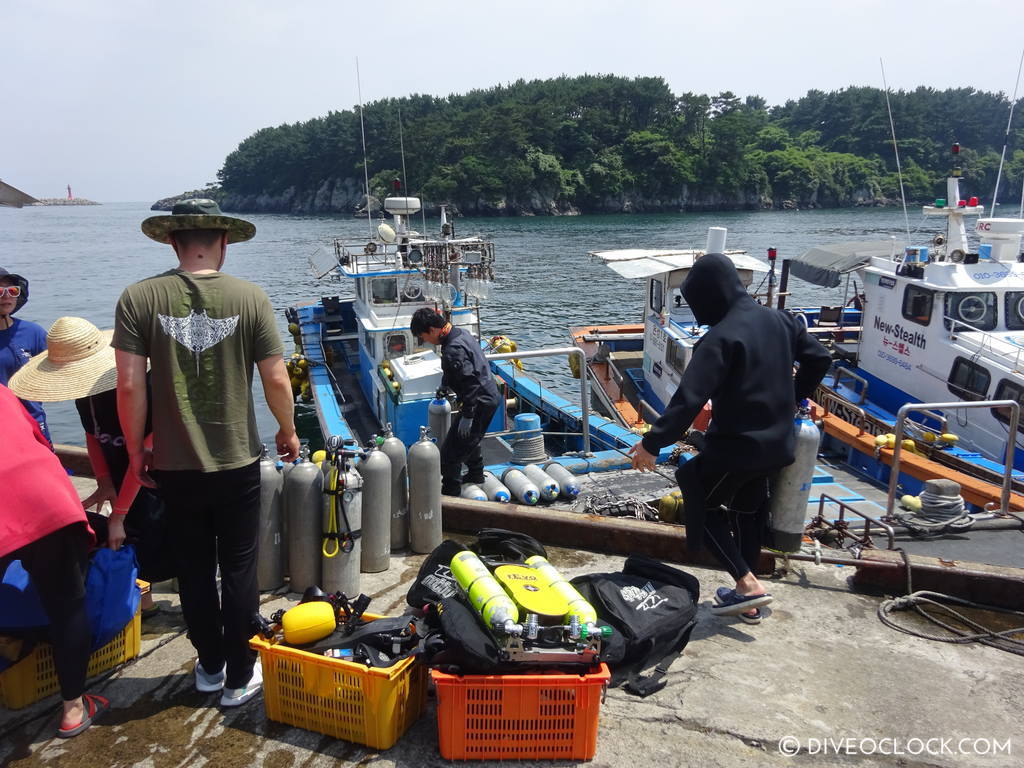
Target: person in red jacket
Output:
[(43, 524)]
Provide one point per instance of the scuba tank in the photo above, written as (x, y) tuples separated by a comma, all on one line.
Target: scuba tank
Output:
[(546, 484), (520, 486), (340, 547), (395, 450), (286, 469), (424, 495), (304, 491), (473, 492), (439, 417), (793, 485), (486, 594), (269, 561), (567, 482), (375, 467), (578, 605), (495, 490)]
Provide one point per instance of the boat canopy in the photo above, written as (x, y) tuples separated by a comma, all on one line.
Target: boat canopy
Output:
[(14, 197), (826, 264), (644, 262)]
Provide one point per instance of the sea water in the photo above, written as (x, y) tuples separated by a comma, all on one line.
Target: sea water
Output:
[(79, 259)]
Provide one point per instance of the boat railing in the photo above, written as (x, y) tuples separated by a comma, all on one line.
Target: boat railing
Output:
[(845, 373), (901, 418), (584, 377), (983, 342)]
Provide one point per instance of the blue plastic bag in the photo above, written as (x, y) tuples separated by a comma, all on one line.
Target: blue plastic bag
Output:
[(20, 607), (112, 596)]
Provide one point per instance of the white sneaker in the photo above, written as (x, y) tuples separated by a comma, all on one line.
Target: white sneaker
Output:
[(236, 697), (207, 683)]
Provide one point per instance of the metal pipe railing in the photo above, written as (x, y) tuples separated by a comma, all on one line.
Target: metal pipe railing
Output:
[(844, 373), (1011, 443), (584, 377)]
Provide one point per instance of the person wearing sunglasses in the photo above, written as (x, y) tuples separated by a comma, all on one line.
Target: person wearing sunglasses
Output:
[(19, 339)]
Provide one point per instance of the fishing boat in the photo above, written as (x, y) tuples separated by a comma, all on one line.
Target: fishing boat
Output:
[(365, 372), (927, 377)]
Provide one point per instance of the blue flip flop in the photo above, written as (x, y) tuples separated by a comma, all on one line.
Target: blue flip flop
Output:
[(728, 602)]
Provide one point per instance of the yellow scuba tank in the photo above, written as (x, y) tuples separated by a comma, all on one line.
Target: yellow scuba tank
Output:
[(528, 587), (576, 604), (485, 593), (308, 622)]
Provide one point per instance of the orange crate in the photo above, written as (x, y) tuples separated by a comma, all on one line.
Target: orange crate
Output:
[(367, 705), (502, 717)]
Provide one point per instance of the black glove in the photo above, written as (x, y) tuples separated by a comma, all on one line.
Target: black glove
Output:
[(465, 426)]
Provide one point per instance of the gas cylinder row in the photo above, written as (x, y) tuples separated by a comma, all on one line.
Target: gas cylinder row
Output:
[(322, 523), (527, 484)]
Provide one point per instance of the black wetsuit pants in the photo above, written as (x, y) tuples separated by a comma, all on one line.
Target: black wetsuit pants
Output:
[(733, 534), (457, 451), (213, 519), (57, 564)]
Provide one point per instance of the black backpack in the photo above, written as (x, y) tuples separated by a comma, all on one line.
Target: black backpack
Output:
[(653, 608)]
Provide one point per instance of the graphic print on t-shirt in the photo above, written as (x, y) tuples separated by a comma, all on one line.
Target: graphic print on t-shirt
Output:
[(198, 331)]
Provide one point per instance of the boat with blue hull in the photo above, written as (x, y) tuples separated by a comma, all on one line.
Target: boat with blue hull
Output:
[(359, 364)]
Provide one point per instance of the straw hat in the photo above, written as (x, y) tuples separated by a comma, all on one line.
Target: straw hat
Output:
[(78, 362)]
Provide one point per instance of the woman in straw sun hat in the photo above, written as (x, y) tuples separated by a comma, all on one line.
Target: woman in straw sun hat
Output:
[(79, 365)]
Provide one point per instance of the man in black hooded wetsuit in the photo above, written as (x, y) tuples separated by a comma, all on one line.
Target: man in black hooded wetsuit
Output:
[(744, 365), (466, 372)]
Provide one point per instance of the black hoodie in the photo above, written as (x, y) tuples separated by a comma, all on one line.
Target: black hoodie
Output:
[(744, 365)]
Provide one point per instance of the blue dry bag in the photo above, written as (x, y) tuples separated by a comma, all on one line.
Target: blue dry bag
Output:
[(112, 597)]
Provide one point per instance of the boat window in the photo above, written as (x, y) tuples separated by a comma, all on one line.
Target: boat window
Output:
[(1009, 390), (968, 380), (675, 355), (395, 345), (1014, 310), (368, 343), (917, 304), (657, 295), (384, 290), (977, 310)]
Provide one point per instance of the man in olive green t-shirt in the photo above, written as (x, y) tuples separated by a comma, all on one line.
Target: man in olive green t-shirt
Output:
[(203, 332)]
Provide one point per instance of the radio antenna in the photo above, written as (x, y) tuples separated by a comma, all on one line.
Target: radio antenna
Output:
[(362, 130), (896, 149), (1006, 140)]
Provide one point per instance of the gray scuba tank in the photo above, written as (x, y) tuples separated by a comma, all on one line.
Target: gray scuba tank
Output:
[(793, 486), (285, 470), (546, 484), (375, 467), (304, 492), (567, 482), (341, 547), (521, 487), (424, 495), (495, 490), (269, 561), (439, 417), (395, 450)]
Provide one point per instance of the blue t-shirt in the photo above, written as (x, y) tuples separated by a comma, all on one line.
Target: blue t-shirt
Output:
[(17, 344)]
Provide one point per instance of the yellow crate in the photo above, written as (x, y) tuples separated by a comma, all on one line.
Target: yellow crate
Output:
[(35, 676), (342, 699)]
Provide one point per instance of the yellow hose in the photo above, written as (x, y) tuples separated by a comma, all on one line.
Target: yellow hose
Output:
[(332, 515)]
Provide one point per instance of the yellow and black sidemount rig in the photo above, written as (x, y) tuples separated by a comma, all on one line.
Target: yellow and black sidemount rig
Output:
[(557, 624)]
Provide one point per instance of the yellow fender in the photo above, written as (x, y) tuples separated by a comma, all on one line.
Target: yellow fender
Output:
[(504, 345)]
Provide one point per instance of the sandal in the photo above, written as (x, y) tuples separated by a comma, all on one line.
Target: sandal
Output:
[(728, 602), (94, 707)]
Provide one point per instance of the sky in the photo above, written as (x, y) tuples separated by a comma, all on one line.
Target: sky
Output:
[(133, 100)]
